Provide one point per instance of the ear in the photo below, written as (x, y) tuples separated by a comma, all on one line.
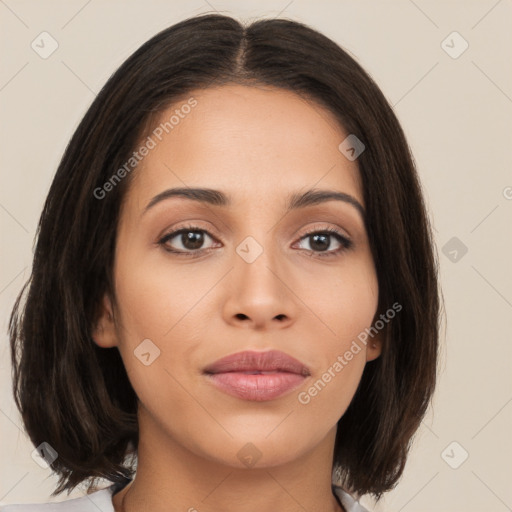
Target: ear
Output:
[(374, 347), (104, 332)]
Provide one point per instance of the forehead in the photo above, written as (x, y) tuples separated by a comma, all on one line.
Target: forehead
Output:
[(250, 141)]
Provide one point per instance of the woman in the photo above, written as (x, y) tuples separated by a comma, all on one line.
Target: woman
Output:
[(234, 288)]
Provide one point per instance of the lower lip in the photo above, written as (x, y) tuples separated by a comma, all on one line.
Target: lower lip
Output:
[(259, 387)]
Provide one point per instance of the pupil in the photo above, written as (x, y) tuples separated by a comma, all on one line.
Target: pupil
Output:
[(323, 245), (192, 240)]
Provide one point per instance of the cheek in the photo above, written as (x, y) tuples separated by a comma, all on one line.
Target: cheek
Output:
[(159, 313), (154, 299), (330, 392), (345, 303), (346, 307), (344, 358)]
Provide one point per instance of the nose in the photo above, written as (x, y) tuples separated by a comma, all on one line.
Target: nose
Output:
[(259, 294)]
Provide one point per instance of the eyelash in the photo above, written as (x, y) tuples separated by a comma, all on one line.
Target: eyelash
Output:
[(342, 239)]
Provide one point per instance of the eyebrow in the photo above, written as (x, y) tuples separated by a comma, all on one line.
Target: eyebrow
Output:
[(295, 201)]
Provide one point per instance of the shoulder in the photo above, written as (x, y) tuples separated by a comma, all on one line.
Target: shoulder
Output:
[(98, 500), (350, 504)]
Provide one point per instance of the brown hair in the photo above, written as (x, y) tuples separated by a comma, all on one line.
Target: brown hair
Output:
[(77, 396)]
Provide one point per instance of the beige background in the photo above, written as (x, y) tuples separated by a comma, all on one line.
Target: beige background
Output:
[(457, 113)]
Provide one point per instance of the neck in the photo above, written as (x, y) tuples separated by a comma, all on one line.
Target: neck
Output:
[(171, 477)]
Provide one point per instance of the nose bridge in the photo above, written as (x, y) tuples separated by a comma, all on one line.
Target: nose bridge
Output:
[(258, 292), (256, 263), (258, 248)]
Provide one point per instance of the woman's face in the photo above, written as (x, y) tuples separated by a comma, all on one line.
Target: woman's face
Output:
[(244, 276)]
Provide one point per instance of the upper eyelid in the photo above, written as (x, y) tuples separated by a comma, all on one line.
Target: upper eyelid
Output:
[(175, 232)]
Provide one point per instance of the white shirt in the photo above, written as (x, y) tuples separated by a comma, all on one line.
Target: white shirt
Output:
[(101, 501)]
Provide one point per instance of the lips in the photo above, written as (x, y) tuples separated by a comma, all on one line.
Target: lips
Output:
[(257, 376)]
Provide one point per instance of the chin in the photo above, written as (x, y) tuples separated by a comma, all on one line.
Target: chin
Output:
[(255, 450)]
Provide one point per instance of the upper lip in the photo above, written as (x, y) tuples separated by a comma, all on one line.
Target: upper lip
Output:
[(272, 360)]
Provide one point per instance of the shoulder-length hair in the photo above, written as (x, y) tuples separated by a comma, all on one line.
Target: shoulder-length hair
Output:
[(77, 396)]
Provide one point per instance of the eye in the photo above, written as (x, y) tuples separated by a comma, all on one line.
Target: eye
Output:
[(321, 240), (190, 241)]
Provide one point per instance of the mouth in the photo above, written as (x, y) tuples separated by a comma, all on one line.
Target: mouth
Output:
[(257, 376)]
